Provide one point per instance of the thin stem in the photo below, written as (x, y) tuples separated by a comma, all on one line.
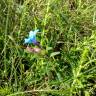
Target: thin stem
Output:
[(45, 19), (5, 40)]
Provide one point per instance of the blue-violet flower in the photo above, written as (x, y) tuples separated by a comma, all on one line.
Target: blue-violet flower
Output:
[(32, 37)]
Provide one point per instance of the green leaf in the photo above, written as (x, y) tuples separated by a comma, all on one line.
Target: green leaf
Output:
[(54, 54), (49, 48)]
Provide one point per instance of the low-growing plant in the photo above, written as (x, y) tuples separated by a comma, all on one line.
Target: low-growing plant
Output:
[(60, 60)]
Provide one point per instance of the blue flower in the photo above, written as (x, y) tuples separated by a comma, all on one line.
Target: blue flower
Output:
[(32, 37)]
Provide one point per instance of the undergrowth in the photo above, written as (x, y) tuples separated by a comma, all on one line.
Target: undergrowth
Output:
[(66, 66)]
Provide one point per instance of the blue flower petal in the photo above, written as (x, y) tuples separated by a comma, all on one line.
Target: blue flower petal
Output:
[(32, 37), (33, 33), (27, 40), (30, 40)]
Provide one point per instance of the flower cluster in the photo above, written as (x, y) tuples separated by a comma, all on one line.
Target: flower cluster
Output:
[(32, 39)]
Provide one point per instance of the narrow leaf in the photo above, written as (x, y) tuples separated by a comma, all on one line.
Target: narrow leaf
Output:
[(54, 54)]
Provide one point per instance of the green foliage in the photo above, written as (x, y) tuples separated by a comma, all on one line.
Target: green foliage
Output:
[(66, 65)]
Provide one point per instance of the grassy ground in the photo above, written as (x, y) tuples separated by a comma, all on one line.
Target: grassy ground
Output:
[(66, 66)]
